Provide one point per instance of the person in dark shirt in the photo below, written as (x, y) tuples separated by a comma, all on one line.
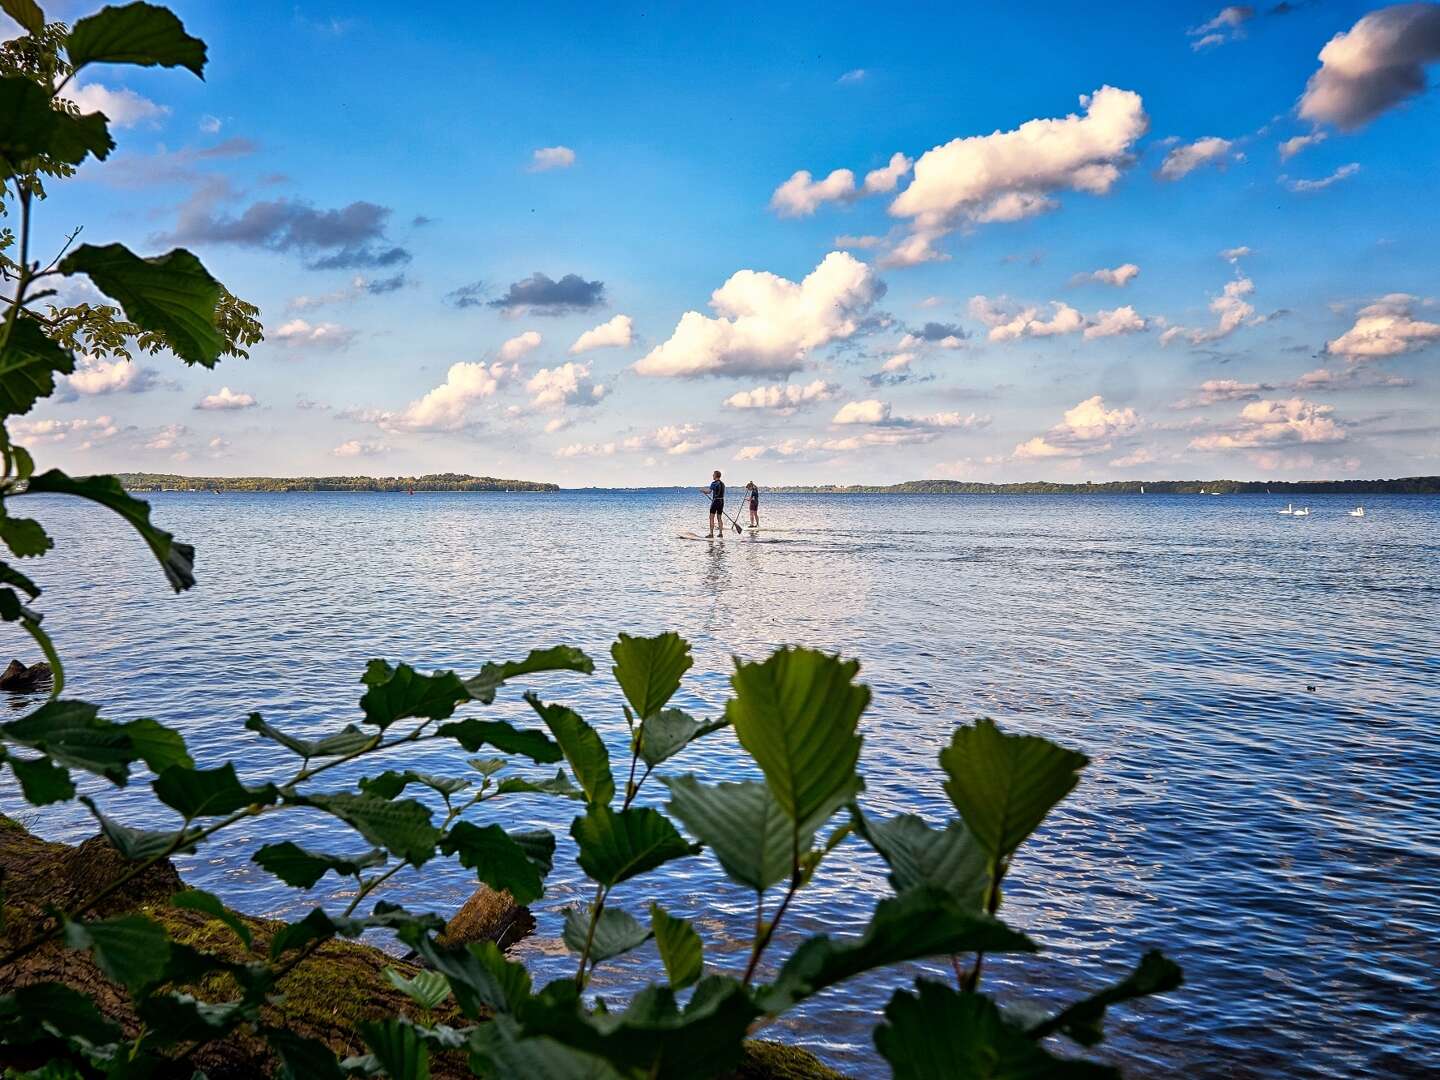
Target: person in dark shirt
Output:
[(716, 491), (753, 501)]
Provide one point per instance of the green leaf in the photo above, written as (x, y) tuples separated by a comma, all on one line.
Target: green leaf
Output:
[(669, 731), (209, 904), (743, 824), (681, 950), (616, 932), (398, 1047), (473, 734), (1084, 1020), (28, 1013), (539, 847), (73, 733), (428, 989), (194, 793), (401, 828), (919, 923), (559, 658), (390, 783), (130, 949), (26, 537), (137, 845), (42, 781), (797, 714), (173, 1018), (172, 295), (135, 34), (615, 847), (301, 1058), (948, 859), (401, 692), (497, 859), (157, 745), (940, 1032), (25, 12), (649, 670), (502, 1048), (177, 559), (1004, 785), (302, 867), (29, 362), (583, 749), (482, 979), (345, 741), (559, 785), (30, 128), (321, 926), (8, 574)]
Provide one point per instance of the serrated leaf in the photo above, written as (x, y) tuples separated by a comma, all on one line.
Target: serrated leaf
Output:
[(473, 734), (319, 925), (558, 785), (497, 859), (583, 749), (209, 904), (941, 1032), (8, 574), (30, 128), (502, 1048), (302, 867), (492, 676), (25, 12), (403, 828), (681, 950), (390, 783), (174, 1018), (616, 932), (480, 976), (615, 847), (32, 1012), (398, 1048), (948, 859), (137, 33), (194, 793), (398, 693), (1084, 1020), (42, 782), (428, 989), (919, 923), (25, 537), (29, 362), (797, 713), (175, 558), (669, 731), (130, 949), (1004, 785), (172, 295), (73, 733), (157, 745), (347, 740), (649, 670), (137, 844)]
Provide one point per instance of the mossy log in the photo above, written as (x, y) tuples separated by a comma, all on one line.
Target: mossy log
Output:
[(324, 998)]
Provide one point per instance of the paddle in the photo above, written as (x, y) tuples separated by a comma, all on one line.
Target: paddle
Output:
[(733, 523)]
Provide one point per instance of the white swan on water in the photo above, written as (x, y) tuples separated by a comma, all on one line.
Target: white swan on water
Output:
[(1305, 512), (1359, 511), (1289, 509)]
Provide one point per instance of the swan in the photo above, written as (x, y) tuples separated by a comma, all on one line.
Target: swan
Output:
[(1289, 509), (1359, 511), (1303, 512)]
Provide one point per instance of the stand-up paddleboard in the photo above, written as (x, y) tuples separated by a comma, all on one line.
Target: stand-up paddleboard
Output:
[(697, 536)]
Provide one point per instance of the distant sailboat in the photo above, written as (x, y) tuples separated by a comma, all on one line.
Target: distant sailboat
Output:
[(1142, 489), (1359, 511)]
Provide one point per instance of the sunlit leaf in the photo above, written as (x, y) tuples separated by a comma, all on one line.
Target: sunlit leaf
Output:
[(681, 950), (479, 974), (559, 785), (390, 783), (137, 33), (948, 859), (302, 867), (398, 1048), (616, 932), (130, 949), (615, 847), (403, 828), (428, 989), (157, 745), (559, 658), (583, 749), (669, 731), (649, 669), (345, 741), (73, 733)]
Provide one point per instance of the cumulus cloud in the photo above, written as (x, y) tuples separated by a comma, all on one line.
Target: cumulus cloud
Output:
[(766, 324), (673, 439), (1008, 324), (517, 346), (882, 180), (1231, 309), (617, 333), (1343, 172), (1215, 391), (1290, 147), (447, 407), (226, 400), (540, 294), (1087, 428), (1387, 327), (1375, 65), (95, 375), (802, 194), (568, 384), (940, 335), (1121, 320), (324, 335), (82, 432), (783, 398), (1119, 276), (1234, 254), (123, 108), (358, 448), (575, 450), (879, 414), (551, 157), (1275, 423), (1184, 159), (359, 286), (1228, 25)]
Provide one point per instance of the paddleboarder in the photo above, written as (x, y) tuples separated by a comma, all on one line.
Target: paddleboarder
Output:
[(753, 502), (716, 491)]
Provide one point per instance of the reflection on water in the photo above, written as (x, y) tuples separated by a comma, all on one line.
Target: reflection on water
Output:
[(1280, 841)]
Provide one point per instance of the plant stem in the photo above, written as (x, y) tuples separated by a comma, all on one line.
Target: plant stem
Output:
[(595, 908), (971, 982)]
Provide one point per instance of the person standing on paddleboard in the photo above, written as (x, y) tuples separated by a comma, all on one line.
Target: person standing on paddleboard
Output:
[(716, 491), (754, 503)]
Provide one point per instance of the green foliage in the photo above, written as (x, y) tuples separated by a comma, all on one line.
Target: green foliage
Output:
[(616, 847), (681, 950), (498, 860), (302, 867), (582, 747), (137, 33), (649, 670), (614, 932), (29, 363), (918, 856)]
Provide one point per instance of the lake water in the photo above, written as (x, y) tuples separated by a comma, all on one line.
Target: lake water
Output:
[(1258, 694)]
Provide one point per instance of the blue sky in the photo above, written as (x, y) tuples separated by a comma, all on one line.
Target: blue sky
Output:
[(1009, 283)]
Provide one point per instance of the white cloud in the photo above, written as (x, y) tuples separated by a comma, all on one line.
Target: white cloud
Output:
[(1234, 254), (568, 384), (901, 361), (210, 125), (783, 398), (551, 157), (226, 400), (357, 448), (880, 181), (1087, 428), (587, 450), (879, 414), (1228, 25), (617, 333), (1290, 147), (95, 375), (1187, 157), (123, 108), (802, 194), (1121, 320), (167, 438), (870, 411), (1120, 276), (447, 407), (516, 347), (1232, 309), (1139, 456), (325, 335), (767, 324), (1007, 324), (1275, 423), (860, 243), (854, 75), (1375, 65), (1385, 328), (1343, 172), (84, 432), (674, 439), (1214, 391)]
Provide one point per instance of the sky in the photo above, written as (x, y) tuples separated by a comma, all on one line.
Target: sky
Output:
[(626, 245)]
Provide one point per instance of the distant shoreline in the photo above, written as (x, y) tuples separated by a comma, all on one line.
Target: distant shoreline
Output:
[(152, 482)]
